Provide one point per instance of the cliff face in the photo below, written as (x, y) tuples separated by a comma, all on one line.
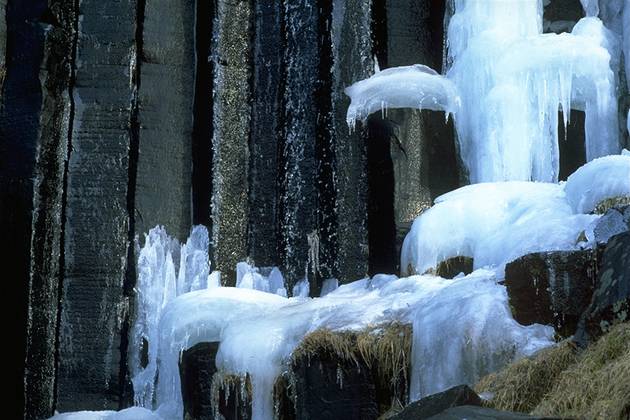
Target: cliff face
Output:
[(116, 116)]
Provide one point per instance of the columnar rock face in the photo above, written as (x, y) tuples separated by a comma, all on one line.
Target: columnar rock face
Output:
[(299, 197), (97, 214), (422, 147), (119, 116), (34, 123), (232, 117), (165, 110), (352, 56), (266, 123)]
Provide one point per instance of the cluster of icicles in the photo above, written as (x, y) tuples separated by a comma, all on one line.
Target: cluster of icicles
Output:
[(504, 86), (506, 81)]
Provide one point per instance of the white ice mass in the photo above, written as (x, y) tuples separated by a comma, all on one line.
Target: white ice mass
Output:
[(506, 85), (495, 223)]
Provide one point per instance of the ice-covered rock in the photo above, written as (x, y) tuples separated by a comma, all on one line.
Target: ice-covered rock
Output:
[(604, 178), (495, 223), (258, 331), (133, 413)]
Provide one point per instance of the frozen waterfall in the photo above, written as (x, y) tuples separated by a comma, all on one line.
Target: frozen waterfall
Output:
[(505, 87)]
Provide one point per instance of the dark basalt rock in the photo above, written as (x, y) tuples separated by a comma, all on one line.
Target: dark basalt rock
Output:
[(329, 388), (611, 299), (197, 370), (453, 266), (551, 287), (437, 403), (471, 412)]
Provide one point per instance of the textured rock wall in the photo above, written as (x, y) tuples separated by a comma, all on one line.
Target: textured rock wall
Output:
[(97, 214), (352, 54), (117, 116), (232, 115)]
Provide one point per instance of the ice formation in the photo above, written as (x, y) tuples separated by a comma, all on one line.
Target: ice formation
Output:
[(511, 80), (258, 331), (603, 178), (415, 86), (268, 279), (166, 269), (495, 223)]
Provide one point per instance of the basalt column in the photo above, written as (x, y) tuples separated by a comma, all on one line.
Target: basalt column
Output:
[(104, 144), (352, 54), (232, 116), (422, 168), (265, 133), (36, 40), (299, 197), (165, 117)]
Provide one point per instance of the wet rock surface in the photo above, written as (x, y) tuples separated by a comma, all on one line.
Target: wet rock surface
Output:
[(611, 299), (482, 413), (437, 403), (329, 388), (551, 288)]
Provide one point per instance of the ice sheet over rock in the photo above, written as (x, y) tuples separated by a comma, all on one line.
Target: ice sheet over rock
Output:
[(133, 413), (467, 221), (259, 331), (417, 86), (495, 223), (606, 177)]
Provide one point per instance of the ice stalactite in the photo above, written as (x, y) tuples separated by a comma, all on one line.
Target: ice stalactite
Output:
[(166, 269), (511, 80)]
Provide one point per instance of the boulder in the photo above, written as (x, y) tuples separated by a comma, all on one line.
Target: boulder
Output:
[(437, 403), (611, 298), (551, 288), (472, 412), (207, 395), (327, 387), (453, 266)]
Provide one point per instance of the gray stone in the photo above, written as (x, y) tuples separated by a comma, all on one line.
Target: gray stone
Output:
[(165, 108), (327, 387), (611, 298), (437, 403), (97, 235), (264, 191), (551, 288), (468, 412), (301, 121), (613, 222), (232, 117), (454, 266), (352, 56), (34, 122)]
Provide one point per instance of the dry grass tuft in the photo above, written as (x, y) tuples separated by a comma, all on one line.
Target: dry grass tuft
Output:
[(594, 384), (340, 344), (522, 385), (388, 349), (603, 206), (598, 386)]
